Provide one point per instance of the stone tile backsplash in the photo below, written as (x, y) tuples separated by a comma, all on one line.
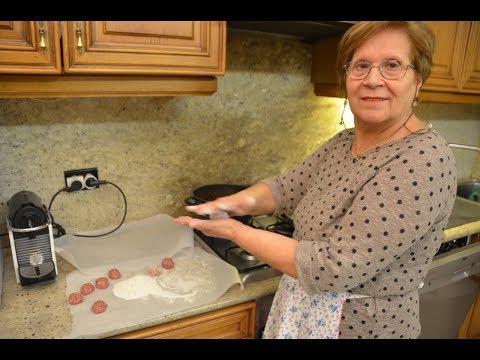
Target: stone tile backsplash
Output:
[(263, 119)]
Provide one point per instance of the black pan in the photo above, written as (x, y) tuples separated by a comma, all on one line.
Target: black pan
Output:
[(211, 192)]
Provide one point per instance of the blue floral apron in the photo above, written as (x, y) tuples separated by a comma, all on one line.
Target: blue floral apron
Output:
[(296, 315)]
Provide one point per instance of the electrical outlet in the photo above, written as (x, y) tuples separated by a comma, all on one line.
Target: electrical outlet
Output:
[(79, 175)]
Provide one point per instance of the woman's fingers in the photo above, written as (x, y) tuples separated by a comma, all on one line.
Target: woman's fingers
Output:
[(211, 209), (225, 207), (223, 228), (203, 209), (184, 220), (219, 215)]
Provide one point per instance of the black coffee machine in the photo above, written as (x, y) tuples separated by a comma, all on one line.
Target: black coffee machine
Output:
[(31, 239)]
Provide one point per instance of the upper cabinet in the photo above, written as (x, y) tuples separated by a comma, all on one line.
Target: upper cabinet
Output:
[(111, 58), (455, 75), (455, 72), (30, 47), (143, 47), (324, 70)]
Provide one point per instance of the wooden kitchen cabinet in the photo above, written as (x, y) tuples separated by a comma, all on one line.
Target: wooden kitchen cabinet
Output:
[(111, 58), (324, 71), (144, 47), (455, 75), (470, 328), (234, 322), (30, 47)]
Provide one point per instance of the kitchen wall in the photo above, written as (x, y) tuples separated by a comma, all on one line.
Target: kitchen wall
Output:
[(263, 119)]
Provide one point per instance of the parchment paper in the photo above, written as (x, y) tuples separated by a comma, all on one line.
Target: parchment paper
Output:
[(214, 277), (136, 240), (202, 277)]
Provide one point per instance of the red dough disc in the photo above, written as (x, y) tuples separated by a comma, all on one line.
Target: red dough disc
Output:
[(99, 307), (87, 288), (168, 263), (114, 274), (101, 283), (75, 298), (153, 271)]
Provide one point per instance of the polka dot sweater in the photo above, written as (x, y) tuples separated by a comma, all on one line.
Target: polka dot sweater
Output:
[(370, 227)]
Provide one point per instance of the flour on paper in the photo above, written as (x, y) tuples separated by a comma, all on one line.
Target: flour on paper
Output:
[(136, 287), (190, 277)]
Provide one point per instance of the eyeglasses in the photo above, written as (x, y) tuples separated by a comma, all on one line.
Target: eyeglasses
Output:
[(390, 69)]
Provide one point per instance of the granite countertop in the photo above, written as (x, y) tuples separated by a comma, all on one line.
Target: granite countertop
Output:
[(41, 311)]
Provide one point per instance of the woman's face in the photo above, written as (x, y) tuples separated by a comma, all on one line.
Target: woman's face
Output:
[(376, 100)]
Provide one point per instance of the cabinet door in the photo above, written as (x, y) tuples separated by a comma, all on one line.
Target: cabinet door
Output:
[(234, 322), (144, 47), (324, 71), (451, 42), (29, 47), (471, 72)]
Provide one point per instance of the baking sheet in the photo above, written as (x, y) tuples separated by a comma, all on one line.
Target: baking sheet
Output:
[(135, 240), (198, 278)]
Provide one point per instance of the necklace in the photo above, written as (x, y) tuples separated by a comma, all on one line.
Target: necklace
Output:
[(358, 156), (429, 127)]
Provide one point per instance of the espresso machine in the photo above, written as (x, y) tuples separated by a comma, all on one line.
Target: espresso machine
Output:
[(29, 227)]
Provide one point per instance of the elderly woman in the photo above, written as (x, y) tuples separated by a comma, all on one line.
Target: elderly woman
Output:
[(369, 206)]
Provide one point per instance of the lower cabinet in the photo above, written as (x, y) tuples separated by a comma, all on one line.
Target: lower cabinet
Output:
[(470, 328), (234, 322)]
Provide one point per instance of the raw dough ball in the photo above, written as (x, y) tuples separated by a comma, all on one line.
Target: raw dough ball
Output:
[(75, 298), (99, 307), (87, 288), (153, 271), (114, 274), (101, 283), (168, 263)]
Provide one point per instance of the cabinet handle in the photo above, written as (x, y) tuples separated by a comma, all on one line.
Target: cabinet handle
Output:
[(43, 36), (79, 36)]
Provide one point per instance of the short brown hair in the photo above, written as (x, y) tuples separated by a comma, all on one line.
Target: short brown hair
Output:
[(420, 34)]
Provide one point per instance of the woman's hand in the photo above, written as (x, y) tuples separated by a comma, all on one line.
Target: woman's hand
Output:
[(221, 228), (275, 249), (224, 207)]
